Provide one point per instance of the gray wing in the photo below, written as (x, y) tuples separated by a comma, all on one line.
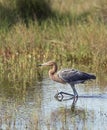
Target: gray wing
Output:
[(73, 76)]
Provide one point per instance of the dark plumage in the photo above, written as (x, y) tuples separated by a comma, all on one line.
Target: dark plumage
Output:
[(74, 76)]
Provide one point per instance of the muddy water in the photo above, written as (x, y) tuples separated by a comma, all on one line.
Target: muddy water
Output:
[(37, 109)]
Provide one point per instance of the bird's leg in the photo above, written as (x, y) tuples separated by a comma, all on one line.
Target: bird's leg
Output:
[(66, 93), (75, 95), (60, 95), (74, 91)]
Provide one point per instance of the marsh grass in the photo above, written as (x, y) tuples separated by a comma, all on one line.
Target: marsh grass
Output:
[(75, 37)]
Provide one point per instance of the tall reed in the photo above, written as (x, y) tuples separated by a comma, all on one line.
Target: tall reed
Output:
[(72, 39)]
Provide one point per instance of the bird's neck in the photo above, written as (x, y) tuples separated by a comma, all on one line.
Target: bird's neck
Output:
[(54, 76), (52, 71)]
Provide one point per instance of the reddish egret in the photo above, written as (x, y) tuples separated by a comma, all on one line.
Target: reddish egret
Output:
[(70, 76)]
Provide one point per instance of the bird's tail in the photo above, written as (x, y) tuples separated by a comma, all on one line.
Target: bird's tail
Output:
[(92, 77)]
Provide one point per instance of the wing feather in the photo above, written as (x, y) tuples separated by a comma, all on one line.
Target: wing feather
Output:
[(73, 76)]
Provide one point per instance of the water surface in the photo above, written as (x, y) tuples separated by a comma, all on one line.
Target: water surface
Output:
[(37, 109)]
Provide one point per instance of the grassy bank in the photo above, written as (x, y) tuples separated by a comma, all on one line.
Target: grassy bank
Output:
[(75, 37)]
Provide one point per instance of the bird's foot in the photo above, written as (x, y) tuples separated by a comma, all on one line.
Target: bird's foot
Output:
[(75, 99), (60, 95)]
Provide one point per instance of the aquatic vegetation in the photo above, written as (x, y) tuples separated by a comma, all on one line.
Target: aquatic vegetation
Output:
[(73, 37)]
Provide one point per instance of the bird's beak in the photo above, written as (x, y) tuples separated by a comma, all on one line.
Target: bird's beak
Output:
[(44, 64), (38, 65)]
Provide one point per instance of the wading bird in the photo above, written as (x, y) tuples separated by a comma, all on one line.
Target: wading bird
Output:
[(70, 76)]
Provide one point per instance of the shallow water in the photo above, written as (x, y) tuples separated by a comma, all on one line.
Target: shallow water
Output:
[(37, 109)]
